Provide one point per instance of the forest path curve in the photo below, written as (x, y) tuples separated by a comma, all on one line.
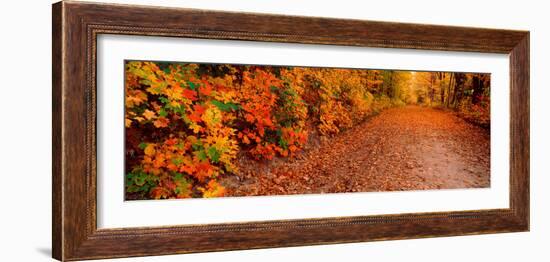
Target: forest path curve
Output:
[(403, 148)]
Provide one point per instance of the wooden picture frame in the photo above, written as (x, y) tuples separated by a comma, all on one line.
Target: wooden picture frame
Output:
[(76, 26)]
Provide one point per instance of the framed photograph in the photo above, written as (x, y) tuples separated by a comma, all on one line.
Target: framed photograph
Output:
[(181, 130)]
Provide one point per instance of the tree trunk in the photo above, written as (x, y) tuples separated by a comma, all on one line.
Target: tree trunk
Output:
[(459, 88), (432, 91), (441, 89), (449, 88), (478, 89), (390, 89)]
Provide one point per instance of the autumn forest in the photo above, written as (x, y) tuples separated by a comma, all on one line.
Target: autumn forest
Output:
[(214, 130)]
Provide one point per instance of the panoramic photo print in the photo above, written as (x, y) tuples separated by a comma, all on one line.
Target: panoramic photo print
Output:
[(198, 130)]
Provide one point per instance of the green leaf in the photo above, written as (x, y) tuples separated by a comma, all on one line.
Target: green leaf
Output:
[(129, 180), (132, 189), (283, 143), (162, 112), (201, 155), (182, 186), (225, 106), (178, 176), (142, 145), (177, 161), (144, 188), (164, 100), (140, 179), (213, 154)]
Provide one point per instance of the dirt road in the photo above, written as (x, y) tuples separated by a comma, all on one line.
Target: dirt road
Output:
[(405, 148)]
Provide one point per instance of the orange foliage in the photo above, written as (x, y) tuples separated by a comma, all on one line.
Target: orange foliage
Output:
[(186, 123)]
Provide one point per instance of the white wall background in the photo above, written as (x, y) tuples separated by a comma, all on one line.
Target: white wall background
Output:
[(25, 130)]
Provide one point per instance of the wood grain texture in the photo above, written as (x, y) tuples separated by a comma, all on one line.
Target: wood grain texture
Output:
[(57, 195), (76, 26), (519, 129)]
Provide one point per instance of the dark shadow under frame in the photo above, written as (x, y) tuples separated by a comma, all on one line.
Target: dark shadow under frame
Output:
[(76, 26)]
